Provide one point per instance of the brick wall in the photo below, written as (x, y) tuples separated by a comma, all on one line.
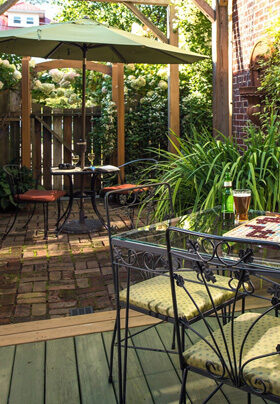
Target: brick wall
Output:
[(250, 19)]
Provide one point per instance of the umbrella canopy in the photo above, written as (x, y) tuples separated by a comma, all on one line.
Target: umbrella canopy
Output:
[(101, 43)]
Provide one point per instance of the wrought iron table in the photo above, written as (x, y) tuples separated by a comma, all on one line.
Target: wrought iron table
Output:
[(145, 248), (82, 225), (152, 239)]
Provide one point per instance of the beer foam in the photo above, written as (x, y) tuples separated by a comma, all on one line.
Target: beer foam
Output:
[(242, 194)]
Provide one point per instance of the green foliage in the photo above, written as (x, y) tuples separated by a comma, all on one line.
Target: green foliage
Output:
[(6, 199), (196, 174), (270, 80)]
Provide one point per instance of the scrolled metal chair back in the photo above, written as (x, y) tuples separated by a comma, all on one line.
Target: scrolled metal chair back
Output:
[(19, 179), (138, 211), (227, 335)]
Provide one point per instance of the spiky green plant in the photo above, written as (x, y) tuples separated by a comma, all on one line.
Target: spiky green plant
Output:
[(196, 172)]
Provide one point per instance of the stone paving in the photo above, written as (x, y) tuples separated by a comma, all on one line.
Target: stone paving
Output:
[(42, 279)]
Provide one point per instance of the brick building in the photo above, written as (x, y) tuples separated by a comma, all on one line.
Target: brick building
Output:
[(250, 20)]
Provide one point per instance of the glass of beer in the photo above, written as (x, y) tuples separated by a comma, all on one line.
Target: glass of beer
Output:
[(242, 198)]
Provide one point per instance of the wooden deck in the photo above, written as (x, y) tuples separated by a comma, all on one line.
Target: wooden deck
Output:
[(58, 370)]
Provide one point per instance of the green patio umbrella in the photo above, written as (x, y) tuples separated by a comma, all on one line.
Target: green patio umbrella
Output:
[(88, 40)]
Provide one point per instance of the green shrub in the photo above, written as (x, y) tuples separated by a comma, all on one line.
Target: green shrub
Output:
[(196, 173), (6, 199)]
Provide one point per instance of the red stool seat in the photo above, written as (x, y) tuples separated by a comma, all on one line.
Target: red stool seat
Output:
[(37, 195), (123, 187)]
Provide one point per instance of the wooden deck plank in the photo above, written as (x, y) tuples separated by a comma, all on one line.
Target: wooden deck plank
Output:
[(6, 361), (137, 388), (93, 370), (61, 372), (160, 374), (45, 330), (27, 385)]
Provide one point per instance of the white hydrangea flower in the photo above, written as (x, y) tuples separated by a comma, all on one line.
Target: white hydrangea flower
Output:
[(69, 76), (32, 63), (162, 73), (17, 75), (57, 75), (6, 63), (163, 85), (37, 84), (150, 93), (104, 90), (1, 85), (65, 84), (141, 81), (12, 67), (131, 77), (47, 88), (130, 67)]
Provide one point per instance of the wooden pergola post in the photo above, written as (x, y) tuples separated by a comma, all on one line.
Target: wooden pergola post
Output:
[(25, 114), (220, 53), (118, 98), (173, 86)]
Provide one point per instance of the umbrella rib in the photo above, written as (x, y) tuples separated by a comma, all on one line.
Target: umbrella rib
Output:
[(118, 53), (53, 50)]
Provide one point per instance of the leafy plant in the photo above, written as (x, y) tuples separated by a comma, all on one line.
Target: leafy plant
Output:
[(6, 199), (196, 173)]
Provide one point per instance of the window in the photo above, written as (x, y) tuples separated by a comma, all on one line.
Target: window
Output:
[(29, 20), (17, 19)]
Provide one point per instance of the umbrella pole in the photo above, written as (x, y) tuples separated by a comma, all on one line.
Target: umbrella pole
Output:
[(83, 146), (83, 143)]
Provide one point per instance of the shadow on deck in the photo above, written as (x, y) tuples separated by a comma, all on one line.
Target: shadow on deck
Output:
[(62, 366)]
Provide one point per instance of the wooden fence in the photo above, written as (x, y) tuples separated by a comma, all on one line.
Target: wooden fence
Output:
[(54, 133)]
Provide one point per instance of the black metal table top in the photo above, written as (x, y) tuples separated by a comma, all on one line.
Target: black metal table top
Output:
[(153, 238)]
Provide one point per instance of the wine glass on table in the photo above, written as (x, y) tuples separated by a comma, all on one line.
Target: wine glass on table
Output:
[(91, 157), (75, 159)]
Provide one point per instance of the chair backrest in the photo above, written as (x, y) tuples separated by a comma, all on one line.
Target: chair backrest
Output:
[(19, 178), (136, 168), (138, 210), (232, 342)]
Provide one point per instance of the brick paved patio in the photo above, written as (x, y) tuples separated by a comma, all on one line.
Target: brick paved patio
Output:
[(42, 279)]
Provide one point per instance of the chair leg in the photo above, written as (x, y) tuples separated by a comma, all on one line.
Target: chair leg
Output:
[(110, 379), (248, 398), (30, 217), (13, 223), (182, 399), (46, 219), (58, 214), (173, 337)]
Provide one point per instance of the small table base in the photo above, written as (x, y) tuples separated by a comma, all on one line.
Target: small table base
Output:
[(76, 227)]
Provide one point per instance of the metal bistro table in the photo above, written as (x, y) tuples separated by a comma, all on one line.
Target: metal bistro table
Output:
[(151, 239), (82, 225), (145, 248)]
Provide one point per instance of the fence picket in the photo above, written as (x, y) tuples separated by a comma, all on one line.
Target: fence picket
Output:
[(57, 146), (47, 147)]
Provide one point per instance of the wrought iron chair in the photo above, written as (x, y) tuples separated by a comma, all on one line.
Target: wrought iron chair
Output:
[(17, 176), (145, 272), (121, 183), (244, 352)]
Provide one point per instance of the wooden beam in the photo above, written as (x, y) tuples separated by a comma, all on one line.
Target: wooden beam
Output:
[(149, 24), (56, 135), (220, 45), (25, 114), (8, 4), (173, 86), (118, 98), (206, 9), (149, 2), (74, 64)]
